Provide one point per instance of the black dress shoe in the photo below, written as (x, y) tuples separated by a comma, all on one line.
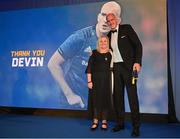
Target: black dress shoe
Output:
[(118, 128), (135, 132)]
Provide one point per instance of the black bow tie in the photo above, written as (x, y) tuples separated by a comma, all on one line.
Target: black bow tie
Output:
[(114, 30)]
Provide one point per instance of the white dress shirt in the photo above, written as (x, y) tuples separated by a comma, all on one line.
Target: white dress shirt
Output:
[(114, 44)]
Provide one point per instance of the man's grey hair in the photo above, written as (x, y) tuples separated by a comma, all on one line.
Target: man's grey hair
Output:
[(112, 7)]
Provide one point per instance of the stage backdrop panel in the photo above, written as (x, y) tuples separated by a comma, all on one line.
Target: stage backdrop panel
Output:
[(30, 37)]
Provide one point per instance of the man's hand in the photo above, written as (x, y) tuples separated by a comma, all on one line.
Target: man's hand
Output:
[(75, 99), (137, 67)]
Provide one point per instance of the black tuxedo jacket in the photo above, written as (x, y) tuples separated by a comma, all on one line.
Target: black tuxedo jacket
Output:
[(129, 45)]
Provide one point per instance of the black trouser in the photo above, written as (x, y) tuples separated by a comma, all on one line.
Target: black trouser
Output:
[(122, 79)]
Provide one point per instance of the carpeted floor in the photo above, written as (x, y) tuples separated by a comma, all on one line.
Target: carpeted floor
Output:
[(31, 126)]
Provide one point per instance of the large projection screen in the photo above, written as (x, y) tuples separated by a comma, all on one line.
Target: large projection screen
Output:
[(30, 37)]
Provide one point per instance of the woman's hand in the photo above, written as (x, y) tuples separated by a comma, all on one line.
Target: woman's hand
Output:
[(90, 85)]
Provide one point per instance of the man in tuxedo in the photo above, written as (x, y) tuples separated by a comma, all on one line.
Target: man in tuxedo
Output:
[(127, 56)]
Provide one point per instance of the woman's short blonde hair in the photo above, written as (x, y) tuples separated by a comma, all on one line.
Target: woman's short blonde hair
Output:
[(97, 46)]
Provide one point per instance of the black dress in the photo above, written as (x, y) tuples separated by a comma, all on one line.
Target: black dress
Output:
[(100, 95)]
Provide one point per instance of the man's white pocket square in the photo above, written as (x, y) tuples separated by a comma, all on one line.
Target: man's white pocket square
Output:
[(123, 36)]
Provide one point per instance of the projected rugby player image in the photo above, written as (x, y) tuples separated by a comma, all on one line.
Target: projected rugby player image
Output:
[(67, 65)]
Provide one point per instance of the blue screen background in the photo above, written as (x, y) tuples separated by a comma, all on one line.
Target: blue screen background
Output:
[(48, 28)]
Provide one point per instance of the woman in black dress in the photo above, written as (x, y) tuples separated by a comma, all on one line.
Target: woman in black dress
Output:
[(98, 77)]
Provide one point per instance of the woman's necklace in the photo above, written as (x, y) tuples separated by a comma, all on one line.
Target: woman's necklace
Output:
[(105, 57)]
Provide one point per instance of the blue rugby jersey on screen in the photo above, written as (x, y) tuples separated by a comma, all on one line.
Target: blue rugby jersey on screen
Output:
[(76, 50)]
